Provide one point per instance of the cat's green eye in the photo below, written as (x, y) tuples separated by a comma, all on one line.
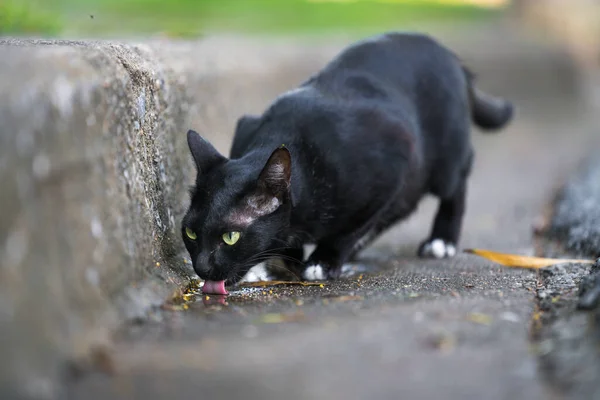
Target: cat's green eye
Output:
[(191, 234), (231, 238)]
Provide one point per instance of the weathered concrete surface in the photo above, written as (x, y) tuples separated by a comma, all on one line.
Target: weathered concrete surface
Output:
[(92, 171), (450, 329)]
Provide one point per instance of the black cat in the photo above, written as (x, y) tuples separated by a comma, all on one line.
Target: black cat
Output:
[(338, 160)]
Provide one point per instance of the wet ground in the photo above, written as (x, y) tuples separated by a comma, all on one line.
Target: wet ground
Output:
[(453, 329)]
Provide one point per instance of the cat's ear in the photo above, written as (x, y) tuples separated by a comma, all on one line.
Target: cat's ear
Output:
[(204, 153), (275, 177)]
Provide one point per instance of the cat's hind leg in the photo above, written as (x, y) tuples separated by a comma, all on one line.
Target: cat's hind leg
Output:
[(447, 224), (330, 255), (446, 229)]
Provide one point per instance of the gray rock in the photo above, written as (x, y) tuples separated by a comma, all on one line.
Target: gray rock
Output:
[(589, 289), (576, 219)]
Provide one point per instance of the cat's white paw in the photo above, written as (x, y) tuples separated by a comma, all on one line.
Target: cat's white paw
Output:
[(315, 273), (257, 273), (437, 248)]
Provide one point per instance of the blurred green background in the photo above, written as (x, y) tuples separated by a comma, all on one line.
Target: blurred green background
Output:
[(190, 18)]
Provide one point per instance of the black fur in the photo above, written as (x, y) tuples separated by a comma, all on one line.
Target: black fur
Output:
[(384, 123)]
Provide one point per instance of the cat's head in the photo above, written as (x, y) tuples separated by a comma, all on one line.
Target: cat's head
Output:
[(239, 211)]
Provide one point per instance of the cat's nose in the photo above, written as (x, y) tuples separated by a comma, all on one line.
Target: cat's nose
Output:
[(201, 266), (202, 270)]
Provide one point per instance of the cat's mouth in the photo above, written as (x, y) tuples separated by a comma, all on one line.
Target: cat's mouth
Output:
[(214, 287), (218, 286)]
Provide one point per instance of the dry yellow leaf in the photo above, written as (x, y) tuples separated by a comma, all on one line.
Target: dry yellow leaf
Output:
[(519, 261), (188, 297), (274, 283)]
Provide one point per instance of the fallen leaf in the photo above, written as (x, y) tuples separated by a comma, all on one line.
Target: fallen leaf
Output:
[(479, 318), (188, 297), (275, 283), (519, 261), (194, 284)]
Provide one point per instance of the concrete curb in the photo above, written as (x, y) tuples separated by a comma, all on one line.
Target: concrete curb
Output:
[(88, 150)]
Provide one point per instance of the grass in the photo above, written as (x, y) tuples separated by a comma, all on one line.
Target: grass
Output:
[(22, 18), (195, 17)]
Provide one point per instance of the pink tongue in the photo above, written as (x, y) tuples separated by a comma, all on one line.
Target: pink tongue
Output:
[(214, 287)]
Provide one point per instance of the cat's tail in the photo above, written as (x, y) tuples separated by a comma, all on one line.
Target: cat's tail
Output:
[(488, 112)]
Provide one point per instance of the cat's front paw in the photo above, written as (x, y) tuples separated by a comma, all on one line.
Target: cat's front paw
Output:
[(321, 272), (437, 248), (315, 272), (258, 273)]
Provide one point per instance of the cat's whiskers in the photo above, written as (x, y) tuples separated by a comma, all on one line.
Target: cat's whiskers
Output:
[(266, 257), (268, 263)]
